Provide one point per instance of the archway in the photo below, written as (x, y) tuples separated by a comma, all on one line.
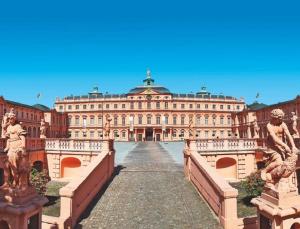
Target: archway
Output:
[(4, 224), (295, 226), (1, 177), (38, 165), (227, 167), (70, 167)]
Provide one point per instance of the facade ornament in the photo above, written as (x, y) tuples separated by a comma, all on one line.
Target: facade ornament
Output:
[(256, 129), (107, 128), (281, 153), (17, 167), (43, 129), (294, 120)]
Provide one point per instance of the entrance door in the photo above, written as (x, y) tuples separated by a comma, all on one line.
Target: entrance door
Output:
[(158, 137), (149, 134), (140, 137)]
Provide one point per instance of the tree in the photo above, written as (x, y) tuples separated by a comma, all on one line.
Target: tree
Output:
[(253, 184), (39, 180)]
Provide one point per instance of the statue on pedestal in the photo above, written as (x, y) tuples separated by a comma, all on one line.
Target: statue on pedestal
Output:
[(107, 128), (191, 129), (256, 129), (16, 163), (281, 151), (294, 119), (43, 129)]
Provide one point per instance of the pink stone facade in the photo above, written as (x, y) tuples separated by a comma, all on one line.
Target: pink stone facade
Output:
[(150, 112)]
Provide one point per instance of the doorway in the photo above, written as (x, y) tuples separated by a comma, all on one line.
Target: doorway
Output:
[(149, 134), (158, 137)]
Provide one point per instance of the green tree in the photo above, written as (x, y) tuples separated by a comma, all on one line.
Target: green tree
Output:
[(39, 180), (253, 184)]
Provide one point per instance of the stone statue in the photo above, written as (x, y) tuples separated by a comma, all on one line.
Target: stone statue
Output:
[(43, 129), (294, 119), (191, 128), (4, 125), (107, 128), (281, 151), (17, 167), (256, 129)]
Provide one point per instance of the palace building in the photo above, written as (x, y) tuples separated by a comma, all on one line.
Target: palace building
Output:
[(149, 113)]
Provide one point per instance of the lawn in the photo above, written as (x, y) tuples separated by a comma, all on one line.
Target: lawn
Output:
[(244, 207), (52, 208)]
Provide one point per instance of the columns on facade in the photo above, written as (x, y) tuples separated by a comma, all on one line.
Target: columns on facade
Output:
[(249, 131)]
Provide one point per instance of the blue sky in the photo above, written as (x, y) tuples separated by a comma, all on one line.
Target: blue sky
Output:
[(237, 48)]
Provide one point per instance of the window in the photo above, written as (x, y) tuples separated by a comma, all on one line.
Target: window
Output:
[(123, 134), (191, 106), (123, 121), (77, 120), (77, 107), (182, 120), (214, 106), (116, 135), (174, 134), (99, 120), (92, 106), (214, 120), (213, 133), (84, 134), (221, 107), (174, 120), (92, 120), (228, 120), (198, 121), (238, 107), (123, 106), (131, 105), (174, 105), (229, 133), (222, 133), (84, 107), (140, 119), (166, 119), (99, 106), (84, 122), (115, 106), (206, 120), (107, 106), (158, 120), (115, 120), (228, 107), (76, 134), (198, 106), (70, 120), (100, 134), (166, 105), (221, 120), (206, 134), (157, 105), (92, 135), (140, 105), (206, 106), (149, 119), (148, 105), (182, 106), (69, 107), (61, 108)]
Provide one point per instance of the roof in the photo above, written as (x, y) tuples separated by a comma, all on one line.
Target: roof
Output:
[(21, 104), (140, 89), (256, 106), (41, 107)]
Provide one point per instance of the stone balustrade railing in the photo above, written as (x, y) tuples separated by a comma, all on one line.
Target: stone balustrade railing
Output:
[(225, 144), (32, 144), (74, 145), (78, 194), (221, 197)]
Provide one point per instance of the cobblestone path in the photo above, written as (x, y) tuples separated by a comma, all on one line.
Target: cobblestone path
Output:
[(149, 191)]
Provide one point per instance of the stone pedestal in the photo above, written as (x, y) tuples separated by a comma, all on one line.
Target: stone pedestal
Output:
[(20, 209), (279, 208)]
